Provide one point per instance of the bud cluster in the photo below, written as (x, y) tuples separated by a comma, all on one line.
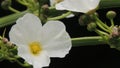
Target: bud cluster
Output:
[(115, 31)]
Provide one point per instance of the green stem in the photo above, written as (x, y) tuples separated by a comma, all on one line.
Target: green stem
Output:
[(22, 2), (112, 23), (109, 4), (102, 25), (60, 17), (13, 10), (87, 41), (25, 64), (101, 33), (51, 7), (10, 19), (3, 35)]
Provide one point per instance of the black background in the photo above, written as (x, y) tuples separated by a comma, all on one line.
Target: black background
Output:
[(100, 56)]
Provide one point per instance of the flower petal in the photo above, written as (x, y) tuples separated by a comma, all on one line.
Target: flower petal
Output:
[(42, 60), (24, 52), (37, 61), (26, 29), (78, 5), (52, 2), (56, 40)]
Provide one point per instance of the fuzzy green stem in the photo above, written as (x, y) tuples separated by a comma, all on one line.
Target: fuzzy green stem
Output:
[(87, 41)]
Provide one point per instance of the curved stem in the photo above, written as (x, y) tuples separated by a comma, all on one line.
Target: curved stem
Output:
[(60, 17), (16, 60), (102, 25), (101, 33), (87, 41), (22, 2), (13, 10)]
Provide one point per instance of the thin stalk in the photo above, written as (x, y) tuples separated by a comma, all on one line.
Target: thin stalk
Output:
[(23, 3), (13, 10), (112, 23), (102, 27), (101, 33), (60, 17), (16, 60), (103, 24)]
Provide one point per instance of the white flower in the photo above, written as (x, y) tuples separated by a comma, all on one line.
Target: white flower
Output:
[(76, 5), (53, 2), (37, 43)]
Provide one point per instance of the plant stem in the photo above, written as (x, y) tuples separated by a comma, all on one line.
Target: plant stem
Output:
[(13, 10), (87, 41), (112, 23), (61, 16), (10, 19), (109, 4)]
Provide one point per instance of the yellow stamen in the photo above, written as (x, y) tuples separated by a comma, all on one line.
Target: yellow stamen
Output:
[(35, 48)]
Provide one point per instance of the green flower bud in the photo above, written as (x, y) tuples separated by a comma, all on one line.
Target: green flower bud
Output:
[(92, 17), (91, 26), (84, 19), (87, 18), (5, 4), (111, 14), (45, 8), (5, 40)]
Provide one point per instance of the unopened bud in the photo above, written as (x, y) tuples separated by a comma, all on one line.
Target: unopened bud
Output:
[(45, 6), (111, 14), (91, 26), (5, 4), (45, 9), (84, 19), (5, 40), (10, 44)]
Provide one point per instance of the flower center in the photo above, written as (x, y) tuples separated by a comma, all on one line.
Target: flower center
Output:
[(35, 48)]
